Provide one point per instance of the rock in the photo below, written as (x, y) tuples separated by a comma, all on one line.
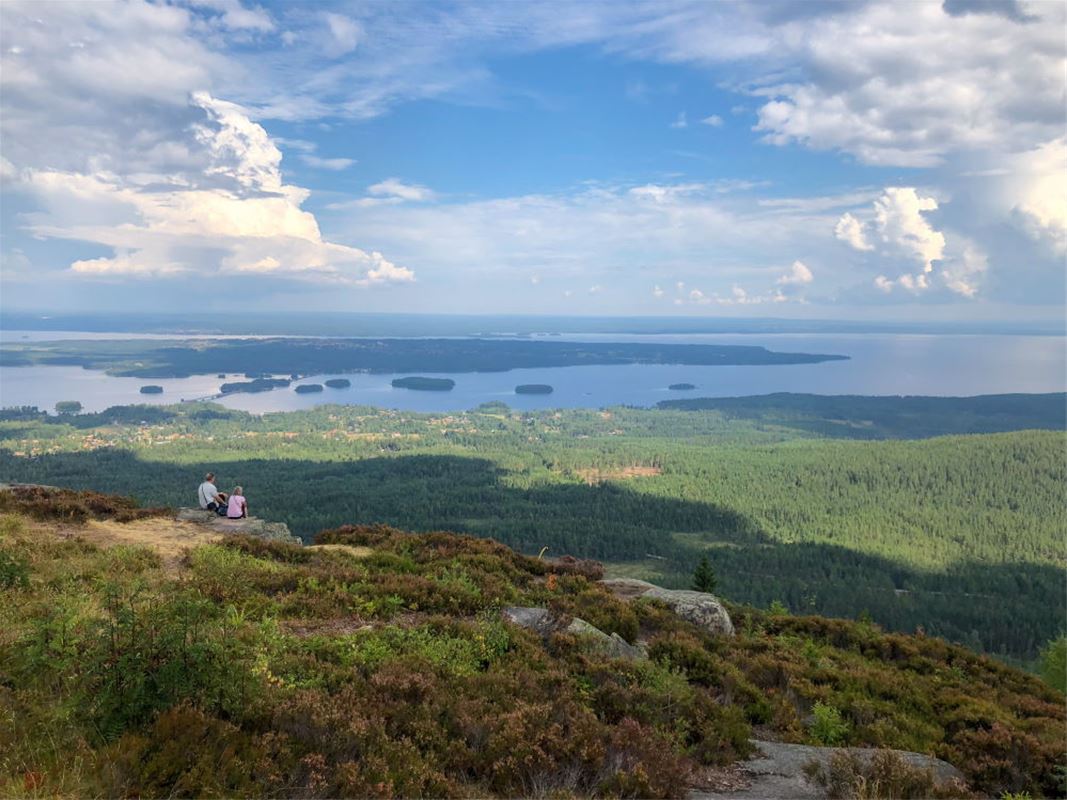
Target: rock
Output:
[(535, 619), (544, 623), (249, 526), (700, 608), (777, 771)]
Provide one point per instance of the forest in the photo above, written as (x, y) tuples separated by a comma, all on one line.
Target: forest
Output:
[(958, 535), (169, 359)]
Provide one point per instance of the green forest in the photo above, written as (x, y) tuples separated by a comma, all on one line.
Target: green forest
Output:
[(959, 536)]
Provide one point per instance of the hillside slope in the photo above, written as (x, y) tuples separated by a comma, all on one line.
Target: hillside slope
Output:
[(382, 666)]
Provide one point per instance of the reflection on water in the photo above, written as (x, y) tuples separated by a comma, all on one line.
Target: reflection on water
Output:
[(879, 365)]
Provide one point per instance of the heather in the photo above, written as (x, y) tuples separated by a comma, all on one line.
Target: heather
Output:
[(379, 665)]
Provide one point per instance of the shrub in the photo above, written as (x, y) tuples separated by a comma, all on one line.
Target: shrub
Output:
[(45, 502), (827, 727), (1054, 663), (885, 774), (14, 571), (149, 654), (189, 753)]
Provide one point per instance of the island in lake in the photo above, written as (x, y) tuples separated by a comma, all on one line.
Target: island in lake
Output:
[(425, 384), (151, 389), (262, 358), (308, 388), (682, 387), (338, 383), (533, 388), (257, 385)]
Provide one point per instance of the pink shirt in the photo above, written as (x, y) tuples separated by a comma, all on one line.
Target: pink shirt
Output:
[(236, 506)]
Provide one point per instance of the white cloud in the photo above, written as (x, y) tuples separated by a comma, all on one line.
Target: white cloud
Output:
[(1038, 187), (714, 121), (234, 16), (962, 274), (345, 34), (333, 164), (657, 291), (394, 188), (909, 89), (680, 121), (238, 218), (850, 230), (798, 275), (899, 220)]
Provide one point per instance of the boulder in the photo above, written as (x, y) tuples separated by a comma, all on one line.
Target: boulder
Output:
[(249, 526), (700, 608), (777, 771), (543, 622)]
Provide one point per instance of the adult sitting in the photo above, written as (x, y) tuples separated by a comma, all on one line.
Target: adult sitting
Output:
[(237, 507), (211, 499)]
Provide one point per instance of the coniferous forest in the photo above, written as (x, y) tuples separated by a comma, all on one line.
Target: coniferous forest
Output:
[(958, 536)]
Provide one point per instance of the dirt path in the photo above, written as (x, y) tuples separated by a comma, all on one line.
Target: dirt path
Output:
[(170, 538)]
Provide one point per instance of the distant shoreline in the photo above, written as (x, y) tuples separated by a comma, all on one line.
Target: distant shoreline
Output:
[(397, 325)]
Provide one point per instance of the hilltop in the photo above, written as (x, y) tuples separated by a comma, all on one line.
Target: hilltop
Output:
[(146, 656)]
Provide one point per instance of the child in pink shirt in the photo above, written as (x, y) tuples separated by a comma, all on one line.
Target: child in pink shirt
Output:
[(237, 506)]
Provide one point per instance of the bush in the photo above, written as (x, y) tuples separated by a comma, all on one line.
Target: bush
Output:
[(827, 727), (149, 654), (885, 774), (14, 571), (1054, 663), (47, 503)]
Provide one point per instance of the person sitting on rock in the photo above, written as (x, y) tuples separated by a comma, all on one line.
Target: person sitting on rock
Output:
[(237, 508), (211, 499)]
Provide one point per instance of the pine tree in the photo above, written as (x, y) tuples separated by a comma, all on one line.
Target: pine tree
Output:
[(704, 576)]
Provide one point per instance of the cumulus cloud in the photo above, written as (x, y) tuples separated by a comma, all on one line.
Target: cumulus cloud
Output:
[(850, 230), (962, 275), (241, 218), (899, 220), (713, 121), (680, 121), (115, 130), (798, 275), (1038, 187)]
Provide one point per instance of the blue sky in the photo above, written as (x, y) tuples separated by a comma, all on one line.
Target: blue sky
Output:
[(839, 160)]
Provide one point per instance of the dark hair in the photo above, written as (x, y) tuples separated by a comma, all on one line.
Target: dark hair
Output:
[(209, 476)]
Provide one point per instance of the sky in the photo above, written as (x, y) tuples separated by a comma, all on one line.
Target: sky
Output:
[(824, 160)]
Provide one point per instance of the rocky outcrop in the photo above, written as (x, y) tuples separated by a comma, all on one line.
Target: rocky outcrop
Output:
[(250, 526), (700, 608), (543, 622), (777, 771)]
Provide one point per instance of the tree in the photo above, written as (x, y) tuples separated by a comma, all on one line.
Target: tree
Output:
[(68, 407), (1054, 663), (704, 576)]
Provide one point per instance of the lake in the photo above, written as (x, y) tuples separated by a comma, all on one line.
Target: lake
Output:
[(880, 364)]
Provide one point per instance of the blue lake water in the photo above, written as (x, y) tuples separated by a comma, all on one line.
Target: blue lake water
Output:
[(879, 364)]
